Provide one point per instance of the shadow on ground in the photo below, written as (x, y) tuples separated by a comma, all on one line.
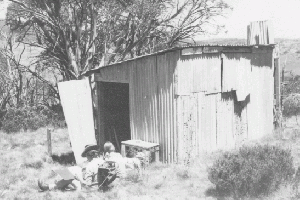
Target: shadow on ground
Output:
[(64, 158), (213, 192)]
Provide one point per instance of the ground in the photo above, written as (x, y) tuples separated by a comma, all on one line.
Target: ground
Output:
[(24, 159)]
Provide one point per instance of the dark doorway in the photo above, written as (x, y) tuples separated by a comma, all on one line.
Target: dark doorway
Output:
[(114, 105)]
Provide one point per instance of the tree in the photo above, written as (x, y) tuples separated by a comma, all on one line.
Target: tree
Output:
[(11, 75), (77, 35), (20, 81), (5, 87), (141, 27)]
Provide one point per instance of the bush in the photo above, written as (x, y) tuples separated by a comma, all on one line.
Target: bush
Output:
[(252, 171), (291, 105), (31, 118)]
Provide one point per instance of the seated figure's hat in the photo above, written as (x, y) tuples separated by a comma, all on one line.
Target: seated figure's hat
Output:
[(89, 148)]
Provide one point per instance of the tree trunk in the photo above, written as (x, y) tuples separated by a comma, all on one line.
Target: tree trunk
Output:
[(19, 88), (3, 106)]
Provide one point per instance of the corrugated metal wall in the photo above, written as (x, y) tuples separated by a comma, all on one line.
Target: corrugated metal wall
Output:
[(253, 74), (260, 108), (214, 115), (260, 32), (152, 108), (198, 73), (116, 73), (188, 103), (152, 102)]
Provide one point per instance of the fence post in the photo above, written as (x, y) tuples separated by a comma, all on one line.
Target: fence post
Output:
[(49, 142)]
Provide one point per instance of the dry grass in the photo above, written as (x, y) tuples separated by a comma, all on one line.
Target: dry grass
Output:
[(24, 159)]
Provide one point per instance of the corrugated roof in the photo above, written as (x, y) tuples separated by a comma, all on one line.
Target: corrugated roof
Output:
[(228, 46)]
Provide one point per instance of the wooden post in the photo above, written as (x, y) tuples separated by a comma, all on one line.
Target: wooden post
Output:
[(49, 142), (101, 114), (123, 150), (282, 82), (277, 80), (156, 154)]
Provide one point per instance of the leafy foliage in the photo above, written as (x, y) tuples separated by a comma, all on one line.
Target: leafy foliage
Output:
[(31, 118), (79, 35), (66, 38), (292, 84), (252, 171), (291, 105)]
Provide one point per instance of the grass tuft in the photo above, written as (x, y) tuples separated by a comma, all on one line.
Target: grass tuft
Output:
[(51, 175), (183, 174), (48, 196), (34, 164), (158, 185), (80, 197), (134, 177)]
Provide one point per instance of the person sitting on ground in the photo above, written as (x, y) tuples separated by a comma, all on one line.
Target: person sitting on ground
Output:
[(111, 156), (135, 160), (123, 163), (82, 176)]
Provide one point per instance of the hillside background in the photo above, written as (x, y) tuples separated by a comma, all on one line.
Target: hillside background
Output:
[(289, 50)]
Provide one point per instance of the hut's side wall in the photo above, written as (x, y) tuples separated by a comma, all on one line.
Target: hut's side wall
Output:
[(151, 97), (260, 109), (223, 99), (252, 73)]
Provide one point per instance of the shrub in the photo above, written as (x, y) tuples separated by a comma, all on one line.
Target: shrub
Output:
[(13, 121), (252, 171), (31, 118), (291, 105)]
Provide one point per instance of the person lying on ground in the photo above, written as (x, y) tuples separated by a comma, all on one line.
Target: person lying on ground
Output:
[(82, 176)]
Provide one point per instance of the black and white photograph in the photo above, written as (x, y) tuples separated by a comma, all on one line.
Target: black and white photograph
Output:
[(149, 99)]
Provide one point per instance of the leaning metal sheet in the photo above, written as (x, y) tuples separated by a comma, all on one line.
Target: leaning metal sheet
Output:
[(77, 106)]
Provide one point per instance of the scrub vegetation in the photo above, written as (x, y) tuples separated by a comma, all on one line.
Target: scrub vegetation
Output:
[(24, 159)]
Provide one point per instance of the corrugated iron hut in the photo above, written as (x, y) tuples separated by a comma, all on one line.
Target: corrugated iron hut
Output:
[(189, 99)]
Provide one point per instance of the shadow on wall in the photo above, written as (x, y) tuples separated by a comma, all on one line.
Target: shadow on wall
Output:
[(260, 56), (238, 105)]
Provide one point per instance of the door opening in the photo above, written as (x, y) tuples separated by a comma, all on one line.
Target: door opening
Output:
[(114, 103)]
